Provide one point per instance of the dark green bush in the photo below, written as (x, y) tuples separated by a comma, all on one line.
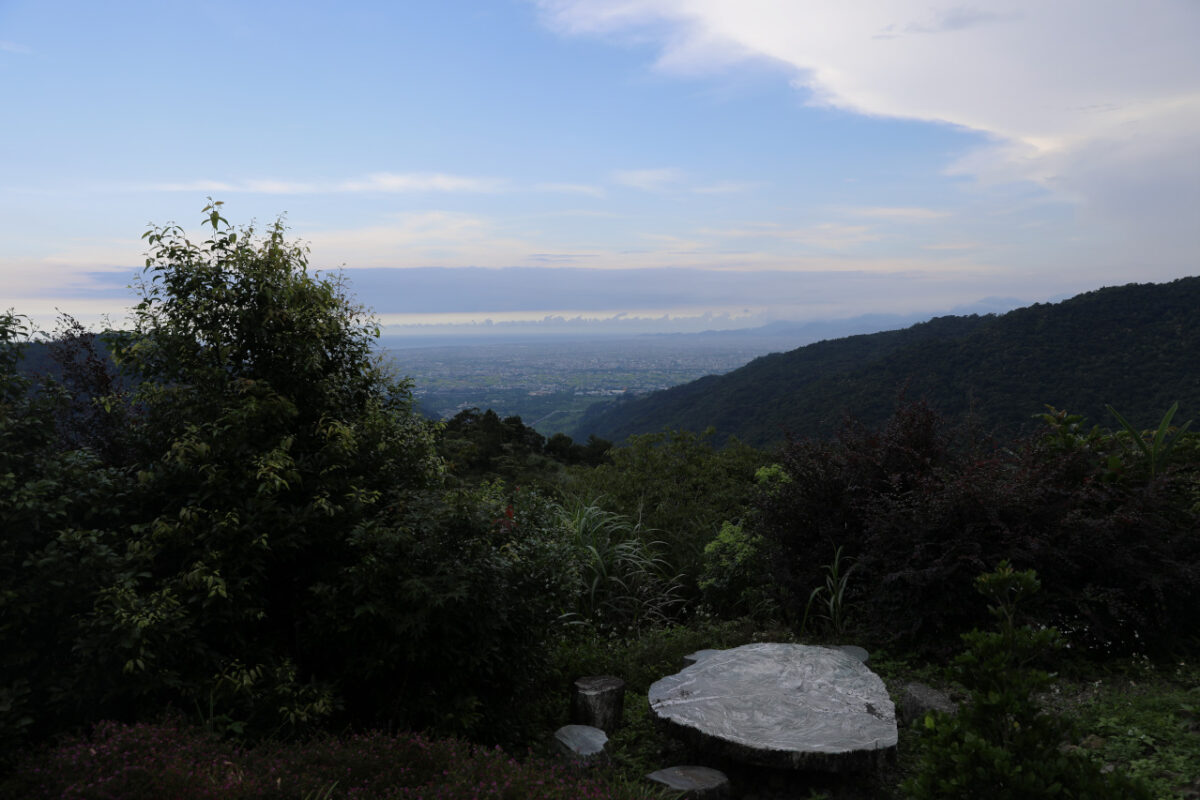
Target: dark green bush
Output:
[(921, 511), (676, 483), (59, 510), (1001, 745)]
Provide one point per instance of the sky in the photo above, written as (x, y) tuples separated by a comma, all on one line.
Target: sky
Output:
[(658, 164)]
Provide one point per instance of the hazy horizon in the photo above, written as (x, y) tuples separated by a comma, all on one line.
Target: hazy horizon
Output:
[(634, 165)]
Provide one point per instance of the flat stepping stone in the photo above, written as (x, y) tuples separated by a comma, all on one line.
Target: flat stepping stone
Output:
[(697, 783), (781, 705), (581, 741)]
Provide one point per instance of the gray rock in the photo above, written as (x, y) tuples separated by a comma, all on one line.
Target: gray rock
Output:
[(854, 651), (781, 705), (692, 658), (696, 783), (598, 701), (581, 741), (915, 699)]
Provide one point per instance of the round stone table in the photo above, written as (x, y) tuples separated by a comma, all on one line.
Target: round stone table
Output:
[(781, 705)]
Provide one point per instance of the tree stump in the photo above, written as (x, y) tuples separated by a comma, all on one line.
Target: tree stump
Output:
[(598, 701)]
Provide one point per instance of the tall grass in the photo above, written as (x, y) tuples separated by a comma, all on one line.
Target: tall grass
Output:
[(627, 582)]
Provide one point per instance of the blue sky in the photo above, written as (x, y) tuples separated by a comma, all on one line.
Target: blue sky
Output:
[(726, 161)]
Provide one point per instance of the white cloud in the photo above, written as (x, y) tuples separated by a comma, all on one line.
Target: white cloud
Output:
[(13, 47), (195, 186), (431, 238), (823, 236), (953, 246), (571, 188), (648, 180), (383, 182), (726, 187), (1091, 99), (904, 213), (420, 182)]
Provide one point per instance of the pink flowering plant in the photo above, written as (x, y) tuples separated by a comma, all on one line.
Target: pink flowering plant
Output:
[(175, 760)]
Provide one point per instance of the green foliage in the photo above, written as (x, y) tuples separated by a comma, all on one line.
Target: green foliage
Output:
[(677, 483), (925, 507), (732, 581), (443, 619), (57, 514), (1000, 744), (267, 544), (626, 584), (1154, 445), (831, 596), (1117, 345), (639, 746), (482, 446), (265, 435), (1145, 719)]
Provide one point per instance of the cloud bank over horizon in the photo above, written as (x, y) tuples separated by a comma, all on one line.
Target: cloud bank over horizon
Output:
[(657, 159)]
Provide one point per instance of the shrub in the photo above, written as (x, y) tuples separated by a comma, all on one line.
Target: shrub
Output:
[(443, 619), (676, 483), (1000, 746), (731, 583), (922, 511)]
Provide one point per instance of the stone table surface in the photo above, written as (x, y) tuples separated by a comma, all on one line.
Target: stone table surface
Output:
[(781, 705)]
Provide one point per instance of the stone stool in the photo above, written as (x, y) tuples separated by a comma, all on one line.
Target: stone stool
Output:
[(697, 783), (598, 701), (581, 741)]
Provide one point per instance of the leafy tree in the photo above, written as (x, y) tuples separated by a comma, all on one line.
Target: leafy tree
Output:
[(58, 510), (266, 434)]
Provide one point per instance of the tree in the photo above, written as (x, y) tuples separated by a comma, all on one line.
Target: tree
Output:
[(266, 434), (59, 508)]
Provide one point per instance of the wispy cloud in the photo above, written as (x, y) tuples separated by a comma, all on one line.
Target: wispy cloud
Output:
[(381, 182), (906, 213), (13, 47), (421, 182), (726, 187), (959, 18), (1097, 105), (953, 246), (571, 188), (194, 186), (823, 236), (648, 180)]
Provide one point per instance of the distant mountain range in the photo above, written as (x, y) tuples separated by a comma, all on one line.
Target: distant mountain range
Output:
[(1136, 347)]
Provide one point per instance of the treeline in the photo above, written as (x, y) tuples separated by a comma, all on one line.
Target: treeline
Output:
[(1129, 346)]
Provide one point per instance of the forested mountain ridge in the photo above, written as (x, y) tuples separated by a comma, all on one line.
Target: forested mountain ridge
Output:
[(1133, 346)]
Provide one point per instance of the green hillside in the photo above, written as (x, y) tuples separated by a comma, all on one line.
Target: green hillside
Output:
[(1134, 347)]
